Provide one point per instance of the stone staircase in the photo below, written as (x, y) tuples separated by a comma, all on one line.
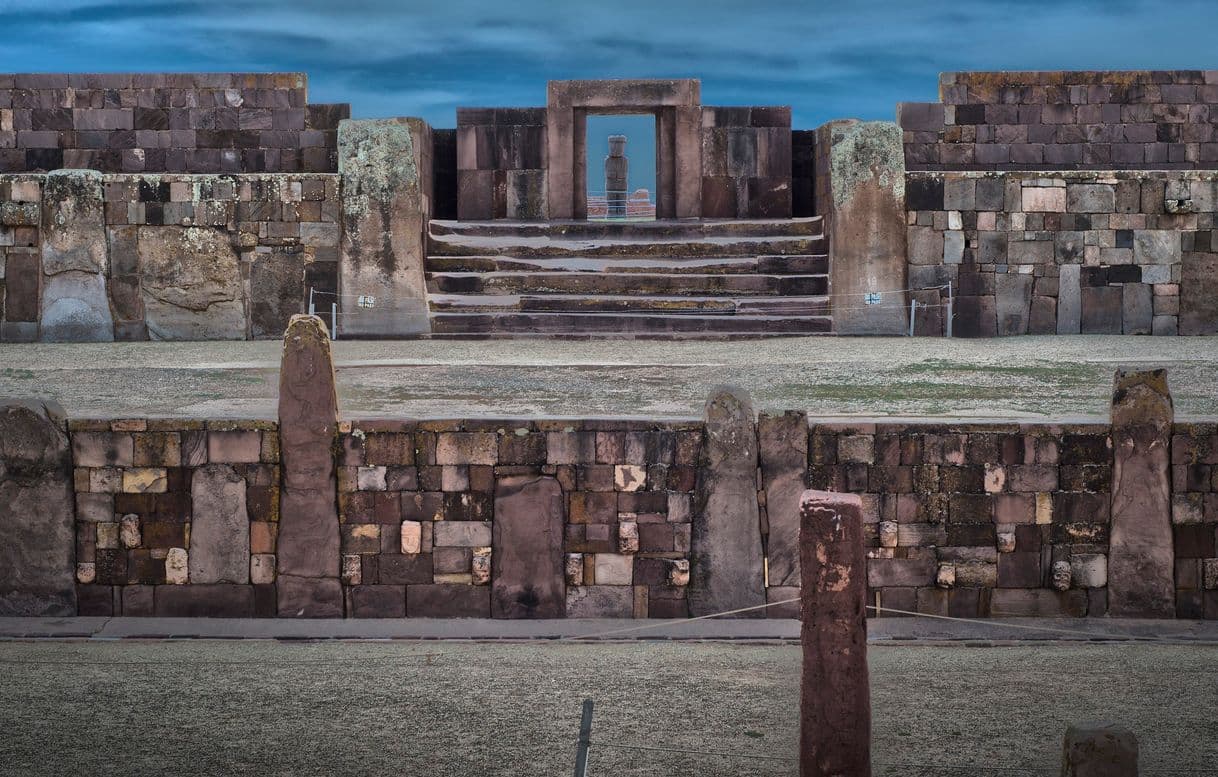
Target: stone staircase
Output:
[(678, 279)]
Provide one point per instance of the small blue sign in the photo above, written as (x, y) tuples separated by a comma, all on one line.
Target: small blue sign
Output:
[(872, 298)]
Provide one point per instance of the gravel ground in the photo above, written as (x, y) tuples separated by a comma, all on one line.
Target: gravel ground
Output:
[(269, 708), (1019, 377)]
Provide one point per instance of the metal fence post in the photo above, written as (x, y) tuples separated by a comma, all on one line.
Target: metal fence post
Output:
[(333, 320), (584, 743)]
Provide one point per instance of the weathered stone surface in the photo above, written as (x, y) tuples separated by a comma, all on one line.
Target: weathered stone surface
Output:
[(866, 217), (726, 553), (1037, 603), (527, 577), (1099, 750), (1141, 559), (835, 699), (309, 597), (1069, 300), (37, 533), (277, 292), (443, 600), (74, 307), (308, 422), (1102, 312), (1013, 300), (1199, 294), (600, 601), (783, 451), (1137, 309), (220, 527), (384, 165), (220, 600), (190, 281), (177, 566)]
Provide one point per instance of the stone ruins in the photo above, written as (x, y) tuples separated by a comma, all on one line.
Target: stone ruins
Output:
[(216, 206)]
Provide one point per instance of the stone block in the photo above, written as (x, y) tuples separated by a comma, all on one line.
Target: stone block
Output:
[(219, 535), (1099, 750), (1013, 300), (1156, 246), (218, 600), (1044, 199), (613, 569), (783, 456), (1102, 310), (467, 448), (75, 307), (37, 532), (1090, 198), (1089, 570), (1069, 300), (1037, 603), (1198, 302), (465, 534), (308, 597), (445, 600), (376, 601), (198, 300), (600, 601), (1137, 308)]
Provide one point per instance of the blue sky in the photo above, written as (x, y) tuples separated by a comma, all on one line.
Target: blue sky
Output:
[(405, 57)]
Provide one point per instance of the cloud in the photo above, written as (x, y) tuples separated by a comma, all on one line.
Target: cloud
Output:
[(426, 57)]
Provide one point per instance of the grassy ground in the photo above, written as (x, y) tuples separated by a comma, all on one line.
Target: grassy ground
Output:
[(1022, 377), (268, 708)]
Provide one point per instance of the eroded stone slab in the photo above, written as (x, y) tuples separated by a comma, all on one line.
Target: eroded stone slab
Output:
[(783, 453), (220, 527), (726, 553), (1140, 557), (1099, 750), (190, 282), (308, 546), (527, 578), (37, 533), (74, 307)]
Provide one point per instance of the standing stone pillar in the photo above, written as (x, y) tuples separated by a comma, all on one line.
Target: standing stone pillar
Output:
[(308, 545), (835, 694), (1099, 750), (385, 169), (527, 557), (725, 554), (860, 192), (616, 175), (784, 466), (1141, 559), (75, 261), (37, 511)]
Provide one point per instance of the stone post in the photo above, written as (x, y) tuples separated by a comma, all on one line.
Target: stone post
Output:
[(860, 192), (835, 695), (783, 449), (385, 169), (308, 545), (75, 260), (726, 556), (1099, 750), (1141, 558), (527, 560), (37, 511)]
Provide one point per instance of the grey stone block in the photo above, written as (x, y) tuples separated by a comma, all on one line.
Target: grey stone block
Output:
[(1137, 308), (1069, 300), (1013, 299), (1102, 310)]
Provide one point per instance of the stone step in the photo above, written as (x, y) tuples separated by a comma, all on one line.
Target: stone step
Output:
[(685, 285), (794, 264), (662, 305), (631, 230), (576, 324), (511, 245)]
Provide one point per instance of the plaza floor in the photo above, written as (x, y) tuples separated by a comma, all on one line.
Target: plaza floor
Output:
[(1016, 378), (295, 707)]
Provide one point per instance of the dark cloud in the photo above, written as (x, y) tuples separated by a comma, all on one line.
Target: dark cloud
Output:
[(426, 57)]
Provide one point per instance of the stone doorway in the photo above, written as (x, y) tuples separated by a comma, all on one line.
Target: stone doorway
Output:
[(621, 169), (676, 106)]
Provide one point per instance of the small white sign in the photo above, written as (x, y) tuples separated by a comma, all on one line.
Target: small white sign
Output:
[(365, 301), (872, 298)]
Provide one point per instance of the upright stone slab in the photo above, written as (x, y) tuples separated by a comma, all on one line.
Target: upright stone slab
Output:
[(784, 464), (527, 562), (37, 514), (75, 263), (1099, 750), (1199, 293), (219, 526), (1013, 302), (864, 211), (308, 547), (835, 694), (385, 166), (1140, 555), (190, 284), (725, 553), (1069, 300)]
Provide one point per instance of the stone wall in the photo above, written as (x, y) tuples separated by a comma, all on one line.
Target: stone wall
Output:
[(176, 257), (746, 162), (165, 122), (501, 163), (464, 518), (1068, 252), (1087, 120)]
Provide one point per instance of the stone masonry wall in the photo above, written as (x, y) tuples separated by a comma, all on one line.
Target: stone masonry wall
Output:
[(1086, 120), (501, 163), (165, 122), (180, 517), (1042, 253), (183, 256), (746, 162)]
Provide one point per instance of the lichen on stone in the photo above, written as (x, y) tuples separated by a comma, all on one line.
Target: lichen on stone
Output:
[(864, 151)]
